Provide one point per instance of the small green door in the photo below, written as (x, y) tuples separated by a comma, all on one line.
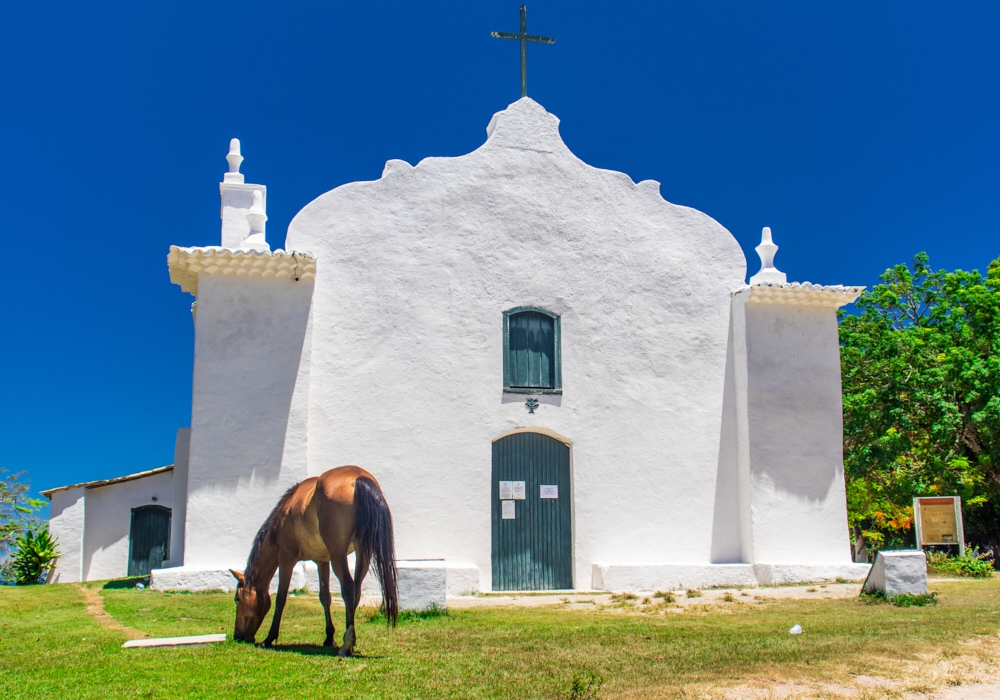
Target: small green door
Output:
[(149, 539), (533, 551)]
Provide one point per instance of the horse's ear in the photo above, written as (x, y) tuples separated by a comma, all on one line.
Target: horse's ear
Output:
[(237, 575)]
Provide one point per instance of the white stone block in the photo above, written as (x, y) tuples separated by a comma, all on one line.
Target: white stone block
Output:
[(897, 572), (422, 583), (647, 578), (463, 580)]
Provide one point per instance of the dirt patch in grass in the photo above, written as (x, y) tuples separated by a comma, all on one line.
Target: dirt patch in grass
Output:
[(95, 608)]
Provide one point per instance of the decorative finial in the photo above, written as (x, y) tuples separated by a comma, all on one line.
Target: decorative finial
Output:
[(768, 272), (235, 159), (256, 215)]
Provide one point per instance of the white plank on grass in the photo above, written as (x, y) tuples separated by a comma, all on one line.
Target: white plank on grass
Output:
[(175, 641)]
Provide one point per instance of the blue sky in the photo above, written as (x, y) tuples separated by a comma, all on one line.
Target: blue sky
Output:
[(860, 132)]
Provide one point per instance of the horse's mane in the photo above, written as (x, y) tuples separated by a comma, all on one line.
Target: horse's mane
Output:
[(269, 526)]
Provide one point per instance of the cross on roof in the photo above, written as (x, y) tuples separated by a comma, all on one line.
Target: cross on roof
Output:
[(524, 38)]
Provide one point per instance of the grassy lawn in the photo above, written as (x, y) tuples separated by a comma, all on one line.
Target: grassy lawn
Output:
[(50, 647)]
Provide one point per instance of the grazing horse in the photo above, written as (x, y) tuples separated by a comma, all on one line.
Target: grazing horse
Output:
[(324, 519)]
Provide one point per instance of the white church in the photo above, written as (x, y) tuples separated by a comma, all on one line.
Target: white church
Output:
[(560, 379)]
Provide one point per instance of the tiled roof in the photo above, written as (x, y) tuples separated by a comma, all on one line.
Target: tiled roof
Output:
[(187, 263)]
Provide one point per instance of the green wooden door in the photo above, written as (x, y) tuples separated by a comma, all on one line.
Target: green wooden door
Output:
[(534, 550), (149, 539)]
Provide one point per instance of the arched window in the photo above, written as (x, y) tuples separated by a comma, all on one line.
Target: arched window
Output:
[(531, 360)]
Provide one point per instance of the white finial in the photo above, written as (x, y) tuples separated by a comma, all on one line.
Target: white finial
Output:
[(768, 272), (235, 159), (256, 217)]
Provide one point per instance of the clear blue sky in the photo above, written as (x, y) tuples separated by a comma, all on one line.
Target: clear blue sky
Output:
[(861, 132)]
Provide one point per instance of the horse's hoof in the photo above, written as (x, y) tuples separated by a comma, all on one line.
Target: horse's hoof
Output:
[(344, 652), (329, 644), (267, 644)]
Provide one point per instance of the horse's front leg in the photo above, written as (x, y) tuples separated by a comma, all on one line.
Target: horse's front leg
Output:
[(343, 572), (284, 581), (324, 599)]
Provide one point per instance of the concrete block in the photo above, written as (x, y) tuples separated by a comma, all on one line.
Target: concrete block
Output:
[(898, 571), (422, 583), (463, 580)]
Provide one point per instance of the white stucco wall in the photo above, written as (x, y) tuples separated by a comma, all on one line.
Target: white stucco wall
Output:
[(414, 272), (109, 518), (250, 334), (66, 523), (797, 496)]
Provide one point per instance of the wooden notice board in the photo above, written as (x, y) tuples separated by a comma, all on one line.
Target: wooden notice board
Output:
[(939, 521)]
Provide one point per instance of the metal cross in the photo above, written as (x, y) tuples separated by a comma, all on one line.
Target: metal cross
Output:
[(524, 38)]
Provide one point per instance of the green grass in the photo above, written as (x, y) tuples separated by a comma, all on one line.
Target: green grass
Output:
[(50, 647)]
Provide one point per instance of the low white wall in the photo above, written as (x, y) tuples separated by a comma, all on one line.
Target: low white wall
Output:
[(109, 517), (636, 579), (66, 524)]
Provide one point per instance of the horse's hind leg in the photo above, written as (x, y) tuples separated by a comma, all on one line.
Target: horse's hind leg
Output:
[(361, 563), (284, 581), (324, 599), (343, 572)]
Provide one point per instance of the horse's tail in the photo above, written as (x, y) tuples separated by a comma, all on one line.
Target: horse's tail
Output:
[(373, 538)]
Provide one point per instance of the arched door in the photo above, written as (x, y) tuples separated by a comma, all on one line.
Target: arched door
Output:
[(532, 514), (149, 539)]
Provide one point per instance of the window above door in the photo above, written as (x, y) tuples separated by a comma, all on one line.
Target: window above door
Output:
[(532, 362)]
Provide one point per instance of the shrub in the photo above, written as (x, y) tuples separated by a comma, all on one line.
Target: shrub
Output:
[(667, 596), (693, 593), (903, 600), (34, 554), (624, 598), (584, 687), (973, 564)]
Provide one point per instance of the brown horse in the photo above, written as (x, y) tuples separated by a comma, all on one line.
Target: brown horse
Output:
[(324, 519)]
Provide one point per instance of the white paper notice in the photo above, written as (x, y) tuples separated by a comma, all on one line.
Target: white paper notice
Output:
[(507, 510), (518, 490), (550, 491), (506, 490)]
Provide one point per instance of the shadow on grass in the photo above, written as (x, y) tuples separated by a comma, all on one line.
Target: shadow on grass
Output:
[(316, 650), (126, 583)]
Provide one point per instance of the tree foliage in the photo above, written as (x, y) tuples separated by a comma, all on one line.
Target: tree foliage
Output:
[(921, 378), (17, 510)]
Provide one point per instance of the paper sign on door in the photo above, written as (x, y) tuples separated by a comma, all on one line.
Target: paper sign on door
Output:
[(511, 490), (550, 491), (507, 510)]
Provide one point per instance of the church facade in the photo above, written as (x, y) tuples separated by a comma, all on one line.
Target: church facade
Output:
[(560, 379)]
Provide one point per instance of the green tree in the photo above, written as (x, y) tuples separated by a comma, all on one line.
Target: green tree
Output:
[(921, 377), (17, 510)]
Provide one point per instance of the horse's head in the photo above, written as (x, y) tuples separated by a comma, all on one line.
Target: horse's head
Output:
[(251, 607)]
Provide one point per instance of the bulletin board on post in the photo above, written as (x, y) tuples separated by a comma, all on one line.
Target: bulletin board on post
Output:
[(939, 521)]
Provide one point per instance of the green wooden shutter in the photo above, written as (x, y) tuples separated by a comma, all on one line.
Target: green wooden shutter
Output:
[(531, 350)]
